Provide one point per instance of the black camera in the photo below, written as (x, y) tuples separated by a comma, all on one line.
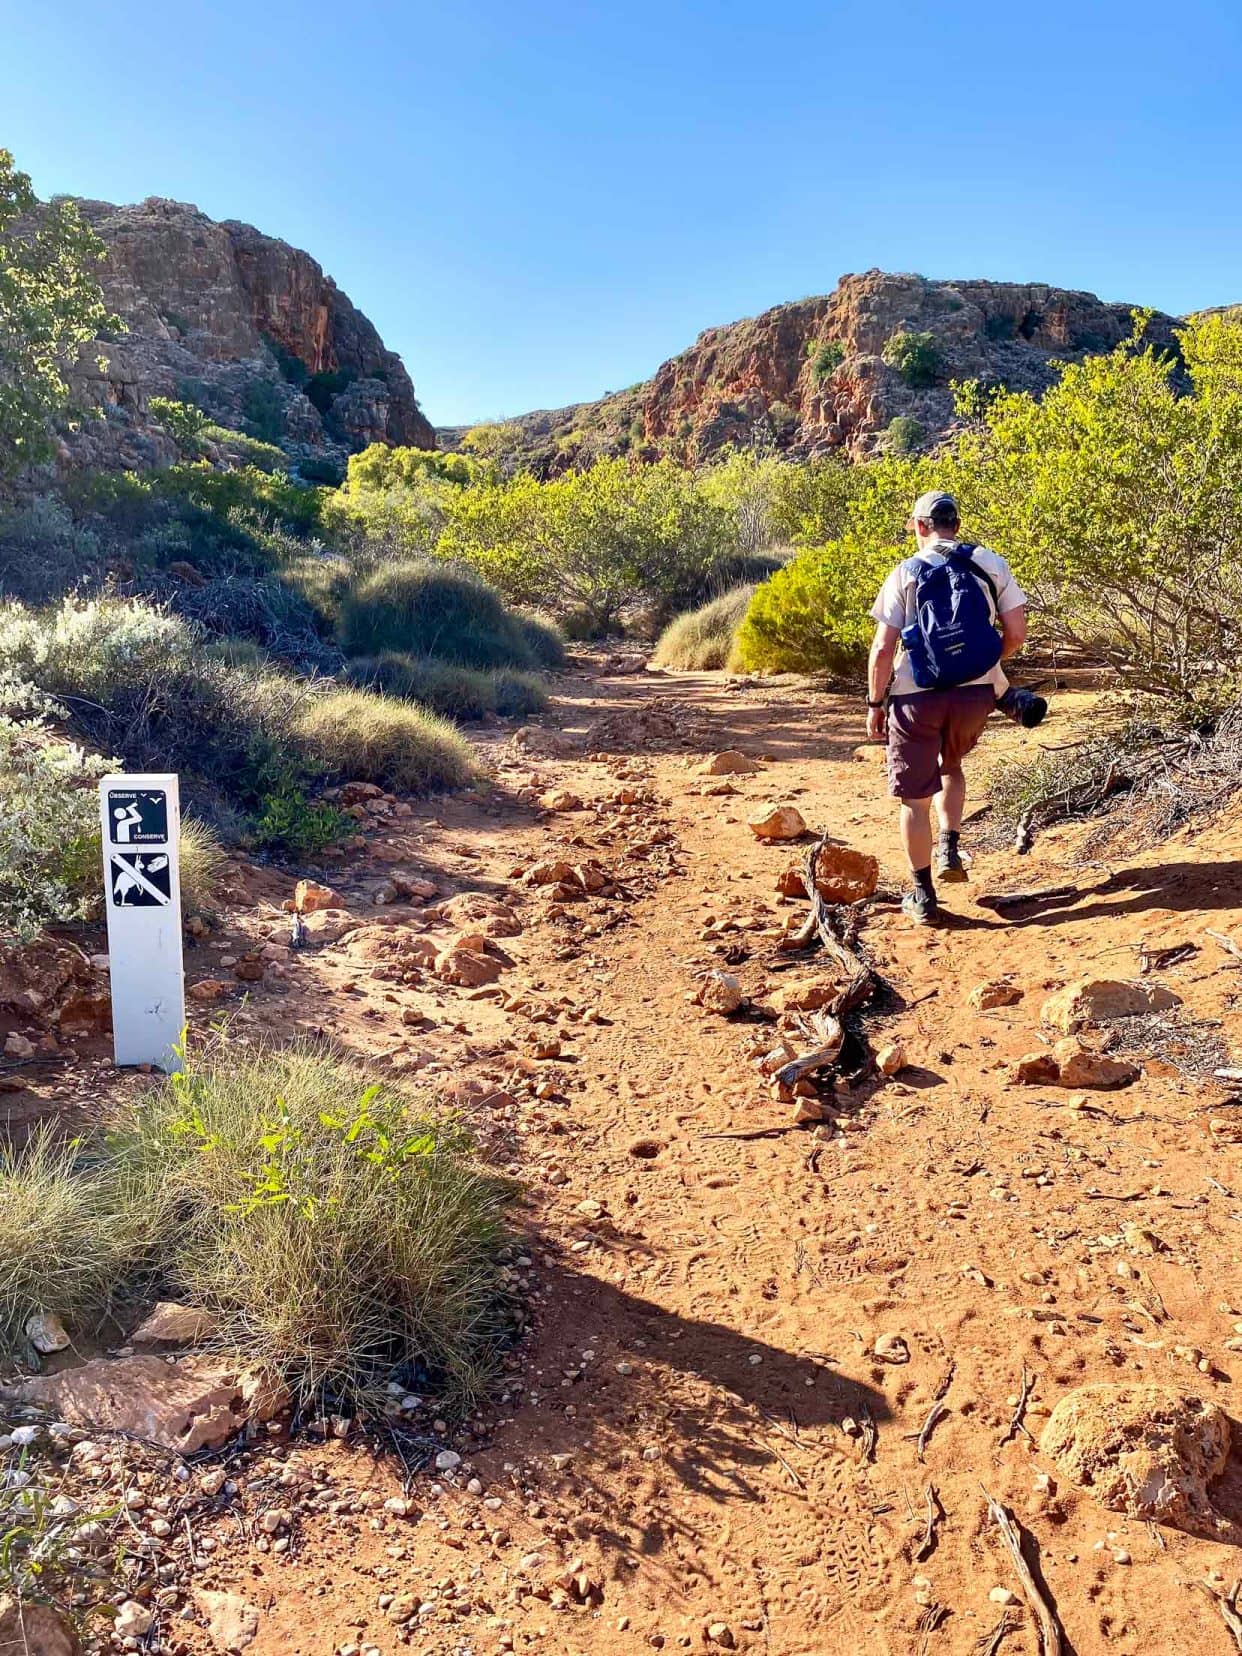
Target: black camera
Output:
[(1024, 707)]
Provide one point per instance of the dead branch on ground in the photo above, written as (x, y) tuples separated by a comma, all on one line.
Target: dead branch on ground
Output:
[(1051, 1633)]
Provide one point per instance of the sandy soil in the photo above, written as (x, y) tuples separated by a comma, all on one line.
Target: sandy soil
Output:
[(685, 1426)]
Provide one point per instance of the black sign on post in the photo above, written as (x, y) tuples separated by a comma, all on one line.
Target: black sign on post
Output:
[(137, 816), (142, 879)]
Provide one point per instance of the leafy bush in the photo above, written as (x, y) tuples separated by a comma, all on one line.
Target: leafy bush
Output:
[(73, 1225), (902, 435), (914, 356), (826, 357), (49, 820), (356, 735), (449, 689), (337, 1235), (287, 821), (703, 638), (244, 450), (183, 419), (429, 609), (264, 411), (599, 542), (810, 617), (43, 551)]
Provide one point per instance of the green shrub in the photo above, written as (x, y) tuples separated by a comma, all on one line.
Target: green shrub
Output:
[(203, 862), (290, 823), (73, 1226), (902, 435), (826, 357), (336, 1232), (49, 820), (264, 411), (811, 616), (703, 638), (445, 687), (914, 356), (183, 419), (353, 734), (244, 450), (430, 609), (43, 551)]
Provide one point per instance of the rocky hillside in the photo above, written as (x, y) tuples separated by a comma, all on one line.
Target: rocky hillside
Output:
[(241, 324), (812, 375)]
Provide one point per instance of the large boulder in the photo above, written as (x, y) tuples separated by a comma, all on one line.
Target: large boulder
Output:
[(1077, 1066), (1148, 1451), (1103, 1000)]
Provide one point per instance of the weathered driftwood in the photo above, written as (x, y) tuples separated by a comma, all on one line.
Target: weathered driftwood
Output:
[(1051, 1634)]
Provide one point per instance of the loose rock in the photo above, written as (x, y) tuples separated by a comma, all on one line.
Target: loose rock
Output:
[(993, 992), (720, 992), (845, 876), (1149, 1451), (728, 763), (231, 1621), (777, 822), (1103, 1000), (31, 1629)]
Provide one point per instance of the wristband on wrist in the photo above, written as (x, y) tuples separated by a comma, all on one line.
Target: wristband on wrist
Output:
[(879, 703)]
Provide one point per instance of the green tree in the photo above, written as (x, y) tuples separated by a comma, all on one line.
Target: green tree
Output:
[(914, 356), (50, 303)]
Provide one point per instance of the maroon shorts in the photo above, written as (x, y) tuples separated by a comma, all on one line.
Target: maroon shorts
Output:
[(929, 734)]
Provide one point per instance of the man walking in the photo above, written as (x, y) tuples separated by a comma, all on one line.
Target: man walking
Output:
[(946, 619)]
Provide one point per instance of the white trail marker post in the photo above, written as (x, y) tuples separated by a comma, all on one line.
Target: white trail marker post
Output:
[(140, 818)]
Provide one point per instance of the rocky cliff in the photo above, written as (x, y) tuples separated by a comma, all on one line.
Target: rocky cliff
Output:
[(811, 376), (245, 326)]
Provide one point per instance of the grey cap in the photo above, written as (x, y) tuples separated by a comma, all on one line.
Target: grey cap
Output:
[(932, 505)]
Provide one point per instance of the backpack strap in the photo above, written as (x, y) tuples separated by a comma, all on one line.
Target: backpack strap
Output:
[(962, 554)]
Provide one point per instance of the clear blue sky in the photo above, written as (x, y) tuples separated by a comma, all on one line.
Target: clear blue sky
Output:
[(538, 202)]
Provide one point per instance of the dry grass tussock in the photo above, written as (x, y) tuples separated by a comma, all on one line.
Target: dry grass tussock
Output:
[(357, 734), (341, 1235), (446, 688), (702, 639)]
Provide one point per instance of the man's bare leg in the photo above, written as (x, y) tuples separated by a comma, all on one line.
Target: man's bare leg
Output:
[(919, 904), (916, 832), (950, 804)]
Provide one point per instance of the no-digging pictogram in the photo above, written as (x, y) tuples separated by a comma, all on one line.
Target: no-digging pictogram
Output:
[(137, 816), (140, 879)]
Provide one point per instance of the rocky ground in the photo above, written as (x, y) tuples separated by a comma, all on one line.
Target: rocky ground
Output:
[(775, 1372)]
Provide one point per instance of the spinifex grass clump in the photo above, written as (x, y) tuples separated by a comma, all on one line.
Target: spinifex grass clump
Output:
[(703, 638), (432, 609), (337, 1233), (446, 688), (72, 1231), (359, 736)]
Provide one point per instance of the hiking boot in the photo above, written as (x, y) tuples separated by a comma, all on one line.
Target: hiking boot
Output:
[(949, 866), (920, 906)]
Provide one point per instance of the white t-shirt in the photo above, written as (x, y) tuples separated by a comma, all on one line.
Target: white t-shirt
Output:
[(895, 605)]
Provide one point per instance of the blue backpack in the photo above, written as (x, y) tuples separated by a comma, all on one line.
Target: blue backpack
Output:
[(953, 636)]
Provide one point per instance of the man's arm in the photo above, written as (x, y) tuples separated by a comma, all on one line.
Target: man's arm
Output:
[(1013, 631), (879, 672)]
